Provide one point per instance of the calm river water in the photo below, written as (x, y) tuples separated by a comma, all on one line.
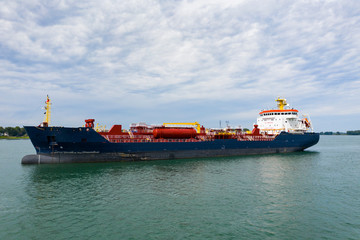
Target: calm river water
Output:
[(308, 195)]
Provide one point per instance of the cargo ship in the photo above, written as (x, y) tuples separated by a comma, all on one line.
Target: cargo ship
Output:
[(279, 130)]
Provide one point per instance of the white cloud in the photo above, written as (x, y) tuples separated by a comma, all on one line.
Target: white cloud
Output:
[(117, 54)]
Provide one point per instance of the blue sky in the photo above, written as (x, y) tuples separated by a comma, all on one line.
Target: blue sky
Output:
[(172, 61)]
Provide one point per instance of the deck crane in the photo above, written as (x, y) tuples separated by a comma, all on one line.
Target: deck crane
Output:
[(196, 124)]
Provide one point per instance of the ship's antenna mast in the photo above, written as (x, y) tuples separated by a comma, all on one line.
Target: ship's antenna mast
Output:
[(46, 122), (281, 103)]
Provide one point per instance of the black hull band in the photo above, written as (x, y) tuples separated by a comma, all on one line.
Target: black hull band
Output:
[(144, 156)]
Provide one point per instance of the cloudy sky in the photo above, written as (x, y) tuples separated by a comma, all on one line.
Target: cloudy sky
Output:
[(173, 61)]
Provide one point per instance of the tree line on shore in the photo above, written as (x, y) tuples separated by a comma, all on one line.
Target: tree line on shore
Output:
[(12, 131), (355, 132)]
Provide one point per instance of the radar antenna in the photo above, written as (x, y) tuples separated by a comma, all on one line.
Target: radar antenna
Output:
[(281, 102)]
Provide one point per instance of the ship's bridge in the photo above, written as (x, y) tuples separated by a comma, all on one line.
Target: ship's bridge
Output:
[(279, 112), (286, 119)]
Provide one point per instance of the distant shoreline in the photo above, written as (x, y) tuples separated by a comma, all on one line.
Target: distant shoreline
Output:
[(13, 138), (355, 132)]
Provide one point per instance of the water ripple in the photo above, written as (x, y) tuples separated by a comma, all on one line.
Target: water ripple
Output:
[(307, 195)]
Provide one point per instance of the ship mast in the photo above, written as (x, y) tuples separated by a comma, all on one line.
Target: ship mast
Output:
[(46, 122), (281, 103)]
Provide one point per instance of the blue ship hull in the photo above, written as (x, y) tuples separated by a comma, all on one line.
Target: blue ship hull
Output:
[(70, 145)]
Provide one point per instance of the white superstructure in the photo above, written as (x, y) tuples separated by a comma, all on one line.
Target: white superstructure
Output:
[(283, 119)]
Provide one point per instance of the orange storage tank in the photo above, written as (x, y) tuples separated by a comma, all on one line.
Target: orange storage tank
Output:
[(174, 133)]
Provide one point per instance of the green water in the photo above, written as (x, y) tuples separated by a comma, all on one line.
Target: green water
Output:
[(308, 195)]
